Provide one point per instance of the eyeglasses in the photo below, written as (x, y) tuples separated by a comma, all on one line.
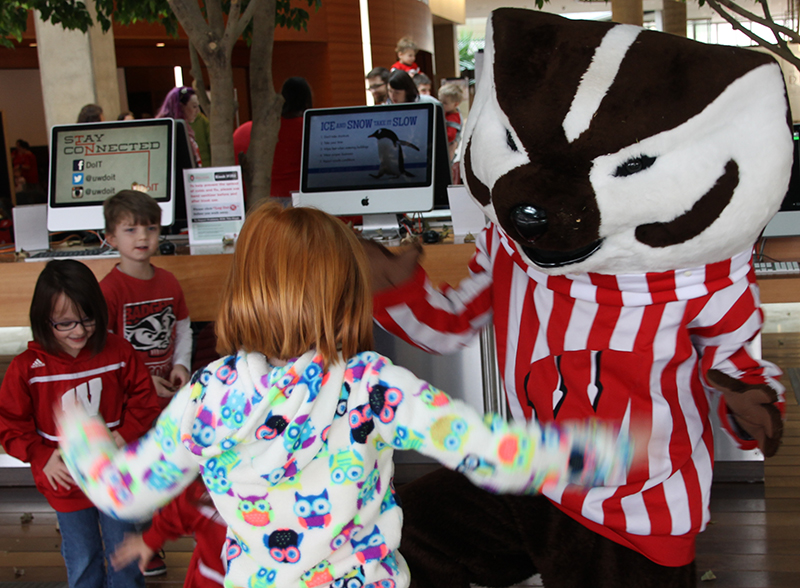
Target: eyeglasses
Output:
[(374, 87), (87, 323)]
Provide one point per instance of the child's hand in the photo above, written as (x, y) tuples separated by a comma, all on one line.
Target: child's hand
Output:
[(56, 472), (131, 549), (118, 439), (163, 387), (179, 376)]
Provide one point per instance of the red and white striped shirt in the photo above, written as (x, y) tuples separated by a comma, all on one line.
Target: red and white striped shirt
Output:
[(631, 349)]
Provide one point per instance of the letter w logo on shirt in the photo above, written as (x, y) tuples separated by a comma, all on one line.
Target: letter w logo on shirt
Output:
[(88, 394)]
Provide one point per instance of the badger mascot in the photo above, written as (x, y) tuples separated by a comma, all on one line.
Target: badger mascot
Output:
[(626, 174)]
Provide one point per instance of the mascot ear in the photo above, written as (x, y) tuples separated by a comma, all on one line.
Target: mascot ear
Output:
[(753, 409)]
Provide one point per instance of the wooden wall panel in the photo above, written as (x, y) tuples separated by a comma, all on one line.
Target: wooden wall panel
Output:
[(345, 53)]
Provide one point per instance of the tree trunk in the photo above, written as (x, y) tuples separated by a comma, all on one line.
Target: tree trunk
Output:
[(266, 105), (220, 74)]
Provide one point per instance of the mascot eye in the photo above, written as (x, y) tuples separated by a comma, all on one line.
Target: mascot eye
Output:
[(510, 141), (634, 166)]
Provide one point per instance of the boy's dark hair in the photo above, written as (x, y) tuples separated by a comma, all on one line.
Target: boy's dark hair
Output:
[(90, 113), (378, 72), (138, 206), (76, 282)]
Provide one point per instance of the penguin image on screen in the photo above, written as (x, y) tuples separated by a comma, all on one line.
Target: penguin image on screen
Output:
[(390, 153)]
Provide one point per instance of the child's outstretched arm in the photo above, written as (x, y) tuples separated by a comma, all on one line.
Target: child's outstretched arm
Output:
[(493, 454), (132, 482)]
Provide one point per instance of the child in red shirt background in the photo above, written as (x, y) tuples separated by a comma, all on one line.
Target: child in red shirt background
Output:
[(191, 513)]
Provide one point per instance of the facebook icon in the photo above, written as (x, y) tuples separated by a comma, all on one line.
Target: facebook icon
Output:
[(77, 165)]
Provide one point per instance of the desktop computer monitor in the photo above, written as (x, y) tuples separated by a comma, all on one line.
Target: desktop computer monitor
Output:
[(90, 162), (368, 160), (786, 222)]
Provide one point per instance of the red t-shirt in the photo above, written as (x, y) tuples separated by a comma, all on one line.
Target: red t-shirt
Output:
[(288, 153), (145, 312)]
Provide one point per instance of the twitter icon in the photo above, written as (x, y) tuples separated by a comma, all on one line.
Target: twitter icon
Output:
[(77, 179)]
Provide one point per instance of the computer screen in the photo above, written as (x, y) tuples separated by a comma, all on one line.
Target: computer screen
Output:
[(371, 159), (90, 162), (786, 222)]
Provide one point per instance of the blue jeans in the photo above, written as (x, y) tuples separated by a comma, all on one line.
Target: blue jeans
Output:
[(87, 552)]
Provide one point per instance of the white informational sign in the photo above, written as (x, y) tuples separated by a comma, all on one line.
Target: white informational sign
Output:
[(214, 204)]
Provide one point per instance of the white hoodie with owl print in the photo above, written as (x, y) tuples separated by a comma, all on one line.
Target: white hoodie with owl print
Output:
[(298, 461)]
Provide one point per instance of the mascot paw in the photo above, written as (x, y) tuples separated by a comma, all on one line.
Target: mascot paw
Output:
[(753, 409), (388, 270)]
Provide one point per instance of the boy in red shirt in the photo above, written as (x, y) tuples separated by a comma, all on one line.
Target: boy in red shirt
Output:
[(450, 95), (145, 303)]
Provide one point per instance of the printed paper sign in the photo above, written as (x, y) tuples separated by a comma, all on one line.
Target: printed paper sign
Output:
[(214, 204)]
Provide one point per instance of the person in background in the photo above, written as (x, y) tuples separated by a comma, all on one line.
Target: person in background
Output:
[(73, 359), (377, 84), (402, 89), (24, 160), (191, 513), (406, 57), (91, 113), (423, 84), (295, 428), (297, 98), (202, 134), (450, 95), (145, 303), (182, 103), (127, 115)]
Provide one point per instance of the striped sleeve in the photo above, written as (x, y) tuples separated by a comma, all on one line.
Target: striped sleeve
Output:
[(722, 332), (441, 320)]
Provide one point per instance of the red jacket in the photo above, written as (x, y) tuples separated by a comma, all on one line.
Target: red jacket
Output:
[(187, 515), (113, 383)]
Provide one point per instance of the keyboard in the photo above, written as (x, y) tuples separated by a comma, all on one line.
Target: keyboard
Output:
[(79, 254), (776, 268)]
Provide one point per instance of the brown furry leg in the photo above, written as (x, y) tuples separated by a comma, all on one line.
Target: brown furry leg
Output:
[(575, 557), (455, 534)]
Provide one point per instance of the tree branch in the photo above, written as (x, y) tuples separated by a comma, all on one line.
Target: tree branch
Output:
[(237, 24), (197, 74), (770, 24), (216, 17), (191, 18), (774, 48)]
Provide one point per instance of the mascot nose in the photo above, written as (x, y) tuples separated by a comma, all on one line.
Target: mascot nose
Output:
[(530, 222)]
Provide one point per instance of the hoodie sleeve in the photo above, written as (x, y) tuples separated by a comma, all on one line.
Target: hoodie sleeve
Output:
[(18, 434), (141, 401), (501, 457), (132, 482), (722, 331)]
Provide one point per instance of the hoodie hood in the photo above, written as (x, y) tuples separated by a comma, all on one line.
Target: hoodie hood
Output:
[(243, 399)]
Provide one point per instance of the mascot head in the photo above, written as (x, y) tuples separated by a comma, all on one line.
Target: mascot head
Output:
[(600, 147)]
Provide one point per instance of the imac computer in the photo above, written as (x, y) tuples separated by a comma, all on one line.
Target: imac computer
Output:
[(92, 161), (786, 222), (375, 161)]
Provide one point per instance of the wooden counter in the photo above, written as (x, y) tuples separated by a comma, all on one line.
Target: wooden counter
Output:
[(202, 276)]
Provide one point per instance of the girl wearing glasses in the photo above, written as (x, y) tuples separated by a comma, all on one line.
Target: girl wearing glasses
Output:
[(74, 359)]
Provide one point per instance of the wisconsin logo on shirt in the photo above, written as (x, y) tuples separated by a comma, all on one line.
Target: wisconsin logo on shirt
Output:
[(88, 394), (148, 326)]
